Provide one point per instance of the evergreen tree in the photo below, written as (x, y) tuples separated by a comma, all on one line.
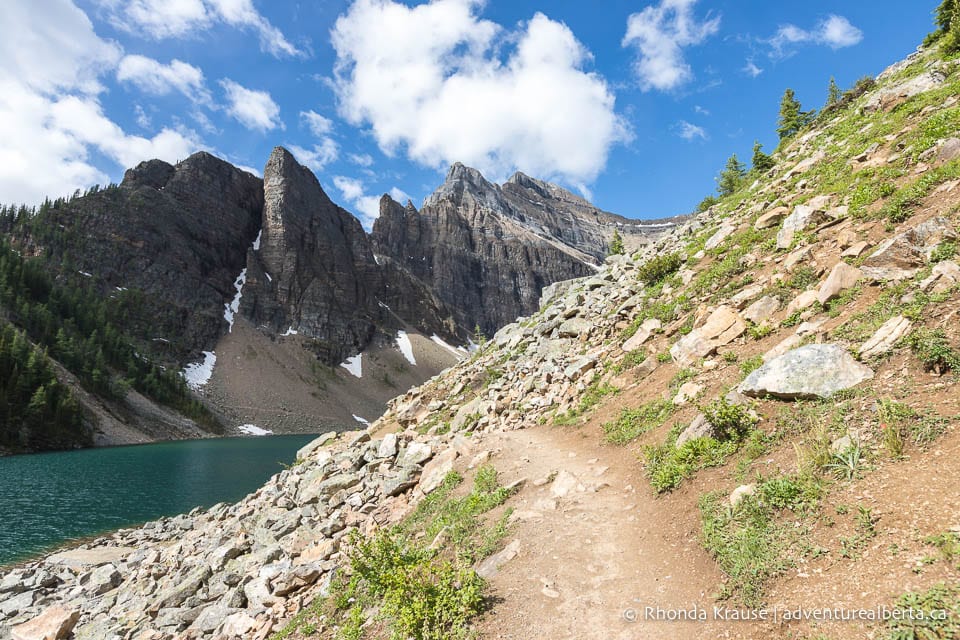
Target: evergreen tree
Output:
[(833, 92), (761, 162), (792, 117), (944, 16), (616, 244), (731, 177), (950, 27)]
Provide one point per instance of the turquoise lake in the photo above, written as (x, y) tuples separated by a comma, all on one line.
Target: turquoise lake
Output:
[(47, 499)]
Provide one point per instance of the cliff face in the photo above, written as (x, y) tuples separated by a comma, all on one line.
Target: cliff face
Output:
[(185, 251), (170, 240), (488, 250), (313, 271)]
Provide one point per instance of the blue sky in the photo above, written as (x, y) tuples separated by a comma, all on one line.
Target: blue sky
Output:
[(635, 104)]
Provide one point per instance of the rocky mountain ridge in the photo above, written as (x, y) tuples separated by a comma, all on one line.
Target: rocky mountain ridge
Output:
[(488, 250), (777, 370), (187, 251)]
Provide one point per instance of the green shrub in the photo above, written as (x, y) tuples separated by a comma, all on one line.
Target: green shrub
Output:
[(747, 543), (944, 251), (656, 269), (934, 350), (750, 365), (941, 620), (421, 596), (796, 493), (632, 423), (668, 465), (589, 399), (730, 421), (759, 331)]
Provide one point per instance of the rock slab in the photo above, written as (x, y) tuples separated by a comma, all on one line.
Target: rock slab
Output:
[(809, 372), (53, 624)]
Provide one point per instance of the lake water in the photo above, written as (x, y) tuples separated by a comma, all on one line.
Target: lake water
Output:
[(47, 499)]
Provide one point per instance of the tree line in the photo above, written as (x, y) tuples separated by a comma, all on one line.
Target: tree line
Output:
[(79, 328)]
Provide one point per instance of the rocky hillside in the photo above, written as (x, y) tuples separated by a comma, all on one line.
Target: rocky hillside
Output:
[(756, 413)]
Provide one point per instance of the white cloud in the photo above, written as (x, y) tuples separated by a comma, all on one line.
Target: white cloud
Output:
[(51, 119), (441, 85), (159, 79), (253, 109), (50, 45), (361, 159), (319, 155), (143, 120), (660, 33), (751, 69), (834, 31), (702, 111), (691, 132), (323, 152), (318, 124), (161, 19), (367, 206)]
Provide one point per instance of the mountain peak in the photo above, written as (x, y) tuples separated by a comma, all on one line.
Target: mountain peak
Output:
[(464, 181)]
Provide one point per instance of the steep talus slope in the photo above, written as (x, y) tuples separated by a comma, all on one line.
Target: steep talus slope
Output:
[(833, 276)]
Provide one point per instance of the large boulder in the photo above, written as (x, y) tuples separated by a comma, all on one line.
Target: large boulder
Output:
[(808, 372), (803, 216), (903, 255), (53, 624), (842, 277), (723, 326)]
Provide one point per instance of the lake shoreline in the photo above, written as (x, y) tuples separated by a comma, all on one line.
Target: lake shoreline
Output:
[(68, 498)]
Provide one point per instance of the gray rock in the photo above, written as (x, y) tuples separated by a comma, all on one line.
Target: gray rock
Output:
[(643, 334), (81, 558), (564, 484), (212, 617), (17, 604), (700, 427), (762, 309), (490, 567), (903, 255), (944, 275), (575, 328), (579, 366), (723, 326), (884, 339), (437, 469), (416, 453), (388, 446), (54, 623), (101, 580), (742, 492), (803, 217), (724, 232), (311, 447), (177, 594), (842, 277), (811, 371), (771, 218), (404, 480)]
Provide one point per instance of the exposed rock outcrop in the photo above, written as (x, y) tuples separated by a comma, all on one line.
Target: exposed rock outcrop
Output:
[(488, 250)]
